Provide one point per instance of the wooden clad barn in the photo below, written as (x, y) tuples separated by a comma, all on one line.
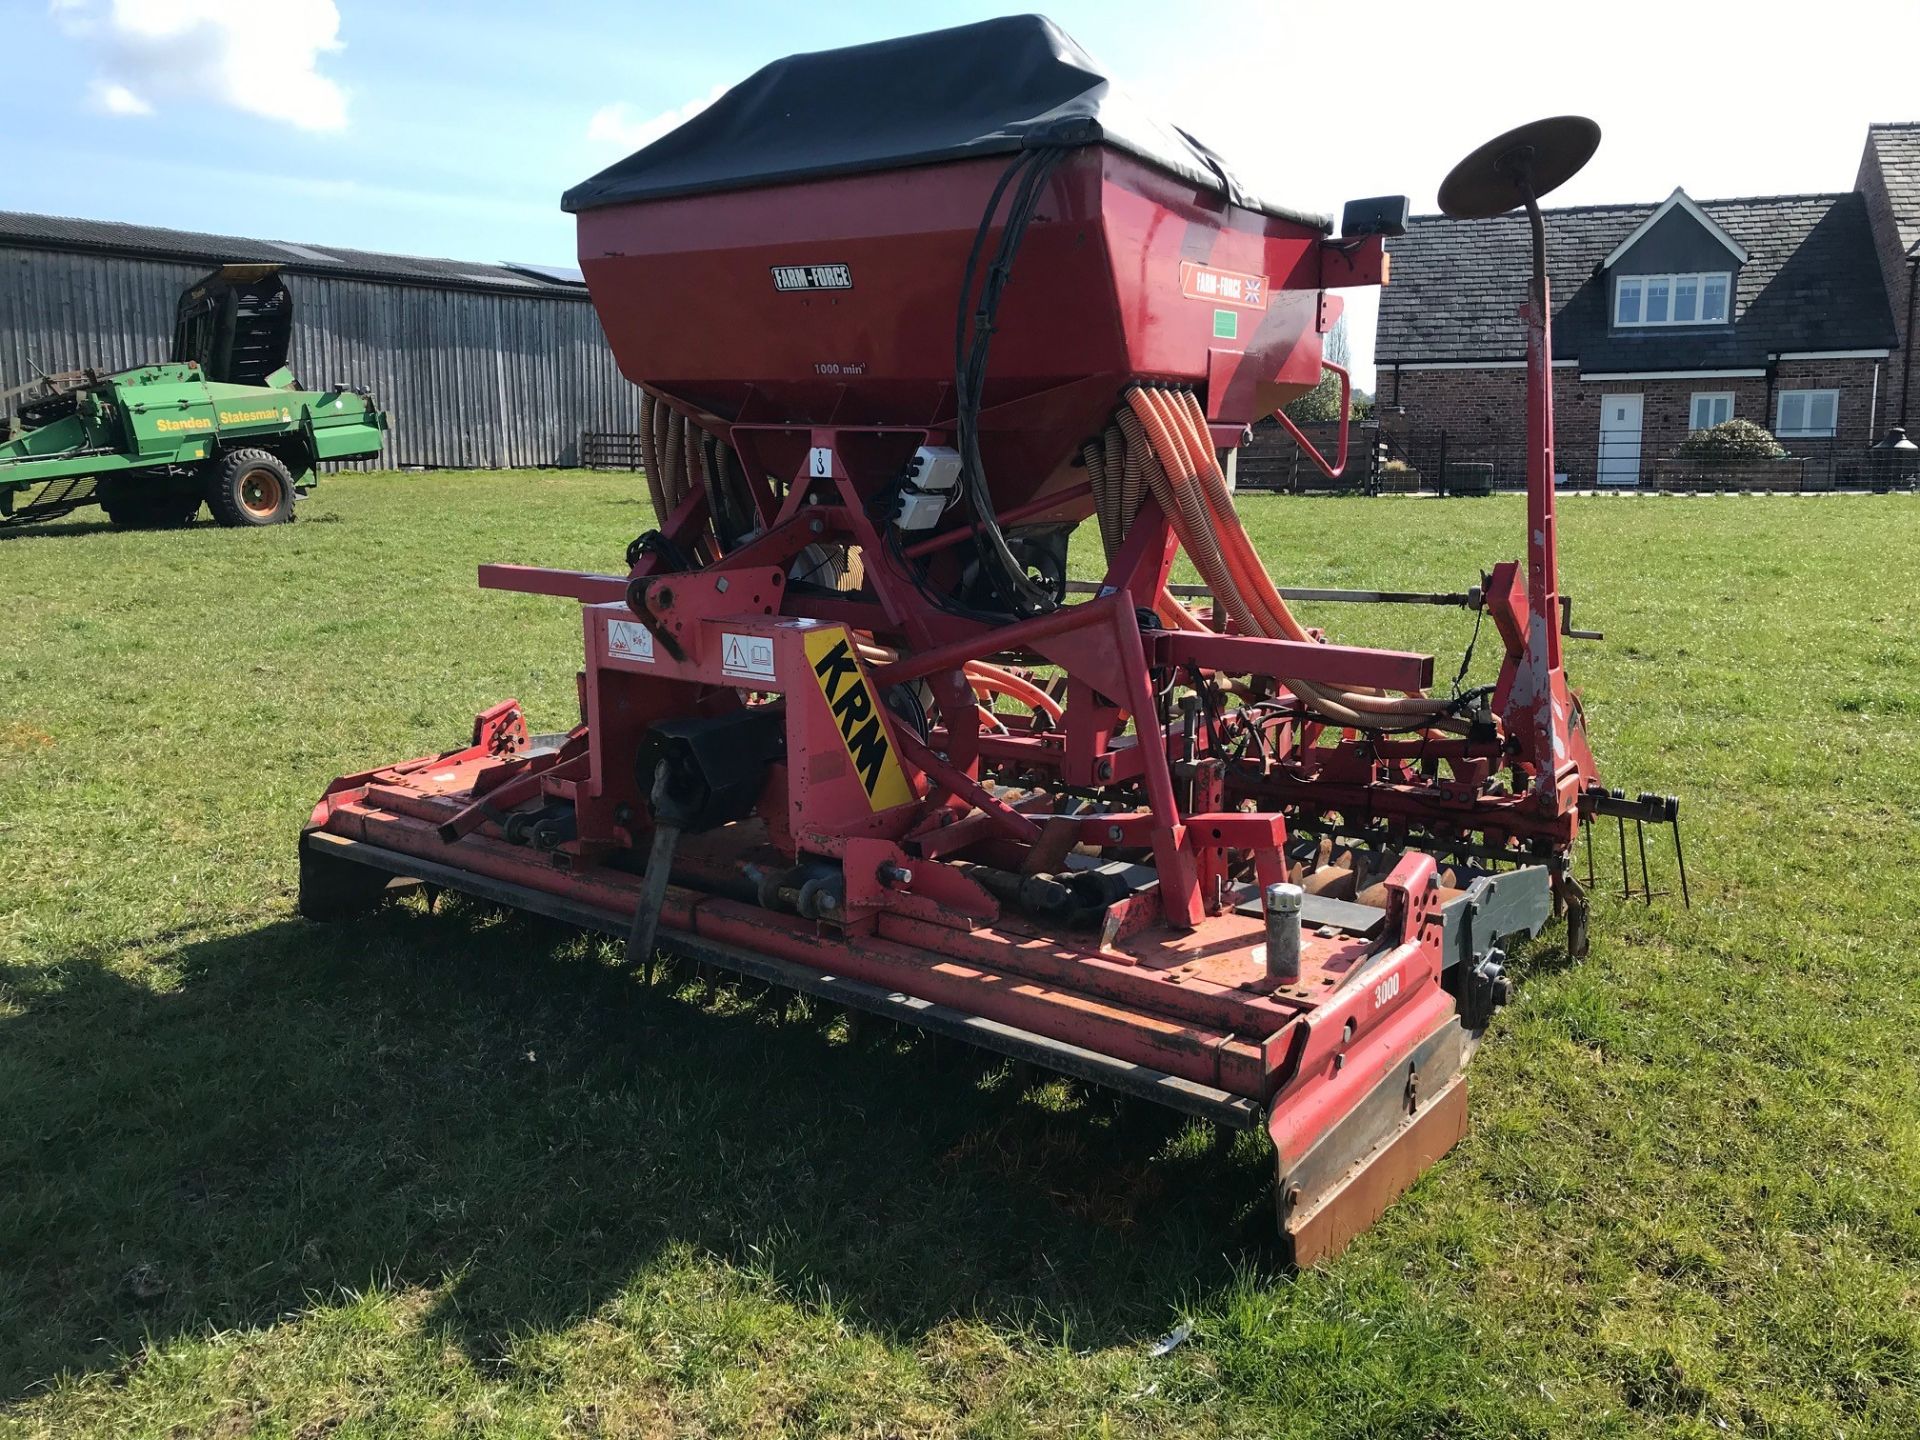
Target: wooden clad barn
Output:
[(478, 365)]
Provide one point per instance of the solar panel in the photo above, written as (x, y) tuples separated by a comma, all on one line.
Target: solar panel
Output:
[(305, 252), (558, 274)]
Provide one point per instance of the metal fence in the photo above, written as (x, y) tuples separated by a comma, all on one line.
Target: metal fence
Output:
[(1388, 459), (1464, 462), (610, 450), (1271, 461)]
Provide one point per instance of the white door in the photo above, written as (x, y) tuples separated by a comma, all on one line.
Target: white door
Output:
[(1619, 440)]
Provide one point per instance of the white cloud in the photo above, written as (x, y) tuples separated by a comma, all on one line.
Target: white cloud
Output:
[(617, 124), (260, 57), (118, 99)]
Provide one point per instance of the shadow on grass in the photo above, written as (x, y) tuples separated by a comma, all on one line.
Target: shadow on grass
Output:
[(481, 1103), (98, 524), (92, 521), (29, 530)]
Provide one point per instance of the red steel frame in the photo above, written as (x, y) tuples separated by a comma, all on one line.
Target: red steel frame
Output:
[(1171, 981)]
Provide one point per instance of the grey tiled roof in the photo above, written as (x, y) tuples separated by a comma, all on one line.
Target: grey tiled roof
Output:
[(152, 242), (1811, 282), (1898, 147)]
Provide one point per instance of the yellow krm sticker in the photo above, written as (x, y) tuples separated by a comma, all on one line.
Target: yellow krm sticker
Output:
[(850, 699)]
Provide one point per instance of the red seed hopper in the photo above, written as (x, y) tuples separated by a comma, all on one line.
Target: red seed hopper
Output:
[(906, 315)]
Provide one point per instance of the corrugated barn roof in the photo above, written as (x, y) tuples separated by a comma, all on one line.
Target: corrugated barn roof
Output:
[(153, 242)]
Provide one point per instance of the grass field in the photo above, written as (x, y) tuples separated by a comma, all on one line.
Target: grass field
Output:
[(458, 1175)]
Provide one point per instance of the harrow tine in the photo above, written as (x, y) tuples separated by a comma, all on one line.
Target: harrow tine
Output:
[(653, 891), (1658, 809)]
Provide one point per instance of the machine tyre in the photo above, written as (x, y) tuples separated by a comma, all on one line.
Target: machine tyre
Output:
[(250, 488), (147, 506)]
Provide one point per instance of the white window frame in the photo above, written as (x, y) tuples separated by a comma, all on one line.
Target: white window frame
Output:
[(1705, 276), (1780, 429), (1693, 408), (1639, 285)]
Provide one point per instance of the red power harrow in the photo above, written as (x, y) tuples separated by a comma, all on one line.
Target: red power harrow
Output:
[(842, 729)]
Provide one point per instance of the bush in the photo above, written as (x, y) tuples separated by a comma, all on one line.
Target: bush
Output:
[(1319, 405), (1732, 440)]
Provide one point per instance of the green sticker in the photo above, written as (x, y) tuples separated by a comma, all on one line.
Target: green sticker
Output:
[(1226, 325)]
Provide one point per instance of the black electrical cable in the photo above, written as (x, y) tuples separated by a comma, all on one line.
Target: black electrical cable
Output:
[(1209, 708), (880, 511), (1255, 734), (1025, 202), (827, 557), (1466, 660), (973, 339), (1020, 162)]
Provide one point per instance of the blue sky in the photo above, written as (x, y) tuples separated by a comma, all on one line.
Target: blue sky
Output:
[(451, 129)]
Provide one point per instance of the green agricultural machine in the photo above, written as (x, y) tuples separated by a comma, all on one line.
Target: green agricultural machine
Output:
[(222, 423)]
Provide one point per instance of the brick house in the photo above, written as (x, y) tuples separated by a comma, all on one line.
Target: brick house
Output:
[(1889, 182), (1667, 317)]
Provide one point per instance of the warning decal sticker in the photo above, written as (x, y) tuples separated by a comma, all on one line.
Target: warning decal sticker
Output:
[(1226, 287), (856, 714), (746, 657), (630, 640)]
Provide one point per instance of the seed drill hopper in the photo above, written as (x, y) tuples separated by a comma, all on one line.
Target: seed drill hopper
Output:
[(904, 316)]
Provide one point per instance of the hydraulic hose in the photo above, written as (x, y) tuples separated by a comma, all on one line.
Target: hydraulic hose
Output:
[(1141, 474), (1177, 496), (997, 681), (661, 415), (1133, 476), (1188, 425), (682, 458), (1094, 458), (1253, 576), (1189, 486), (992, 679), (650, 458), (1175, 614), (693, 455), (671, 470)]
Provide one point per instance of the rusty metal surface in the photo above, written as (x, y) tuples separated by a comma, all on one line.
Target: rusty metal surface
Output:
[(1368, 1192), (1407, 1120)]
